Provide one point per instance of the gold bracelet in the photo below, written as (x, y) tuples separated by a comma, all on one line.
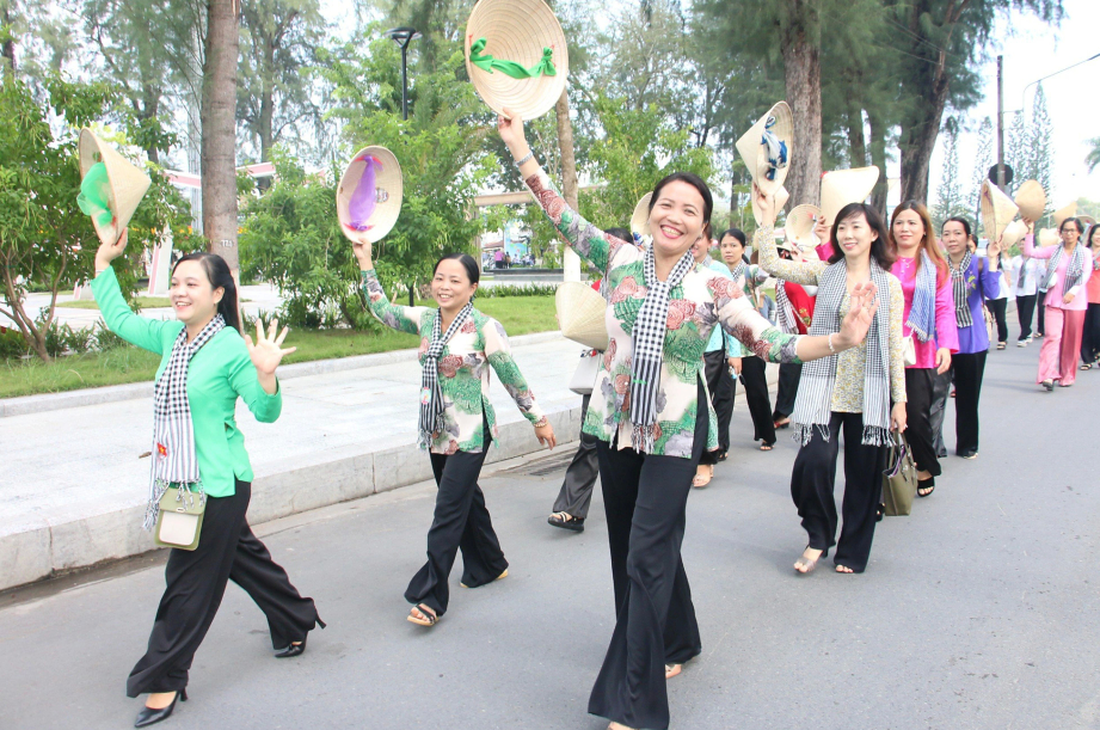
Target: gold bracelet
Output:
[(544, 421)]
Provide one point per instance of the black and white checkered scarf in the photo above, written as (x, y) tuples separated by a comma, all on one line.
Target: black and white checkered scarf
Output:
[(813, 404), (784, 310), (174, 457), (958, 284), (649, 340), (431, 395), (1075, 270)]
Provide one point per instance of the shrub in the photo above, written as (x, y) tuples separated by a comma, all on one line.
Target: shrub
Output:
[(12, 344)]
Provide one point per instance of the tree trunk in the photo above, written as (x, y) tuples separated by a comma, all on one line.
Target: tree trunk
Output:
[(218, 114), (571, 263), (802, 74), (857, 142), (878, 159)]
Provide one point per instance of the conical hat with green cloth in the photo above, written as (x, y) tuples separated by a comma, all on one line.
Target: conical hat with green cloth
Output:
[(516, 56), (109, 193)]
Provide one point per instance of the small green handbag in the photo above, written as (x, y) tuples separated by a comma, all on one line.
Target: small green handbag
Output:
[(179, 522)]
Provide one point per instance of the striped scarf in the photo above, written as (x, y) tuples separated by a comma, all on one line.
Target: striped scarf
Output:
[(958, 284), (922, 315), (649, 340), (1075, 270), (813, 404), (174, 457), (784, 310), (431, 395)]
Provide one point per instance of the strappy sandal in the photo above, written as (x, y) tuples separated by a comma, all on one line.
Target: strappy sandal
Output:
[(1087, 366), (566, 521), (808, 564), (421, 615), (701, 480)]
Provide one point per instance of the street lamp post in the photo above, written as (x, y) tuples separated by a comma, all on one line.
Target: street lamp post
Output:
[(403, 37)]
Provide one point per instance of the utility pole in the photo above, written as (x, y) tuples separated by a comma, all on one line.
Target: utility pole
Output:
[(1000, 124)]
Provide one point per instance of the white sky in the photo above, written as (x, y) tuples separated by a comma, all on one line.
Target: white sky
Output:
[(1032, 50)]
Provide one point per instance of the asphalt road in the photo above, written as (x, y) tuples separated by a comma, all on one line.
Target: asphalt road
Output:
[(978, 611)]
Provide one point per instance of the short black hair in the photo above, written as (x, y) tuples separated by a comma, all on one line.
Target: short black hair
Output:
[(473, 272)]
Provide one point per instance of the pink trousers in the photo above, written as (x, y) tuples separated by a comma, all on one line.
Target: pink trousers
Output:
[(1061, 345)]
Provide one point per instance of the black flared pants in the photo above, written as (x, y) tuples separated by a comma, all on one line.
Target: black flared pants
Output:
[(814, 479), (196, 582), (720, 384), (790, 374), (969, 370), (919, 388), (1025, 312), (461, 521), (754, 376), (645, 498), (575, 495)]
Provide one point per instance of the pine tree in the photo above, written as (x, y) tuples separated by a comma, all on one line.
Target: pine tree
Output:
[(949, 201), (1041, 164), (1018, 153), (983, 159)]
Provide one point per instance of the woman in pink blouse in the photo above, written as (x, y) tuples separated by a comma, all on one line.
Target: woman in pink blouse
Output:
[(1069, 266), (929, 321), (1090, 343)]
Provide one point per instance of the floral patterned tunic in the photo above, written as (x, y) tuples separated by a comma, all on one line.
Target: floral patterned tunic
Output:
[(701, 301), (463, 370), (848, 389)]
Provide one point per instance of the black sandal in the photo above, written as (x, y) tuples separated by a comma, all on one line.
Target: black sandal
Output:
[(929, 484), (566, 521)]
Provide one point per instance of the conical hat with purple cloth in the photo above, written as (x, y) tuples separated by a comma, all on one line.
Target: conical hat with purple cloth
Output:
[(369, 195)]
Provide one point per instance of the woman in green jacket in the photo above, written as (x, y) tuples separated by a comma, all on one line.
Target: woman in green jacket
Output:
[(205, 366)]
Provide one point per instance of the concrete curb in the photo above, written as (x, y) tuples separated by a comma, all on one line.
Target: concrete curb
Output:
[(44, 547), (24, 405)]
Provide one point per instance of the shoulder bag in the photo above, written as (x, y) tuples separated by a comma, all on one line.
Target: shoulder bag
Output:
[(179, 521)]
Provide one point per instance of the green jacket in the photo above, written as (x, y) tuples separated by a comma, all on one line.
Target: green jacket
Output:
[(219, 372)]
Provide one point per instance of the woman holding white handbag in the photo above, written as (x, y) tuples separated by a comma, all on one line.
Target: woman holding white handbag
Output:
[(206, 366)]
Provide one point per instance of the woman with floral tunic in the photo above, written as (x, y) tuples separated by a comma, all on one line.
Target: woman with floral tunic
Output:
[(458, 345), (651, 412)]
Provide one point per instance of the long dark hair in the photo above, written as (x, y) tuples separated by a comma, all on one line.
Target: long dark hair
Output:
[(694, 181), (219, 275), (881, 251), (1076, 221), (1092, 232), (927, 244)]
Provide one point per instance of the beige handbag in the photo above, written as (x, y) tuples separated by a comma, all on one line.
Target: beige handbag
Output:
[(899, 483), (908, 351), (179, 521)]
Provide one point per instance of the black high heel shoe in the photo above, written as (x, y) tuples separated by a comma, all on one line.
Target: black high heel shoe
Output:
[(149, 716), (299, 648)]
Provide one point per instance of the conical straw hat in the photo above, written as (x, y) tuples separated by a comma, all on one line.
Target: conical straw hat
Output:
[(518, 31), (126, 184), (1061, 214), (1086, 221), (769, 170), (1032, 200), (374, 207), (841, 187), (998, 210), (639, 220), (1013, 234), (800, 224), (581, 312), (1049, 237)]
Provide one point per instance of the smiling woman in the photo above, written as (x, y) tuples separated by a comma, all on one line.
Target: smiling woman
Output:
[(651, 412)]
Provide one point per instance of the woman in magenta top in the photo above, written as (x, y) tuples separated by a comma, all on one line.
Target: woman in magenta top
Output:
[(1069, 266), (929, 319), (1090, 343)]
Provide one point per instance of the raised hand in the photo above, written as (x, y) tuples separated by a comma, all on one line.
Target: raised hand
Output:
[(267, 352), (861, 313), (108, 252), (511, 131), (361, 248), (765, 204)]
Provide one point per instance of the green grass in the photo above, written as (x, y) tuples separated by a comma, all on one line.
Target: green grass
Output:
[(143, 302), (519, 315)]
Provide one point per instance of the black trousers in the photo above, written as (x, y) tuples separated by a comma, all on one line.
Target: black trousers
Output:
[(645, 498), (919, 390), (1040, 310), (754, 377), (814, 479), (789, 376), (998, 307), (720, 384), (1025, 311), (196, 582), (461, 521), (968, 370), (580, 476), (1090, 340), (941, 391)]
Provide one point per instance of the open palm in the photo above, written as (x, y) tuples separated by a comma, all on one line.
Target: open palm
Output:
[(267, 351)]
